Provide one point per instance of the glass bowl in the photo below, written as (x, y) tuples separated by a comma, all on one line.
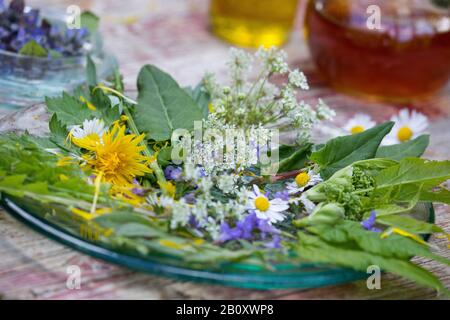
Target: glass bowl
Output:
[(64, 229), (28, 80)]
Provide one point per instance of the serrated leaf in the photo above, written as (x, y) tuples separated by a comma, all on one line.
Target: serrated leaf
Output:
[(413, 148), (162, 105), (343, 151), (320, 251), (69, 110)]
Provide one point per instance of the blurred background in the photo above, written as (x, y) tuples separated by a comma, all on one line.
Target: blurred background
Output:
[(354, 52)]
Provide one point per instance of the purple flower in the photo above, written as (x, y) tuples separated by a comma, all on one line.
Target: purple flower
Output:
[(138, 191), (275, 243), (369, 223), (173, 173), (283, 195), (190, 198), (19, 26), (193, 222), (245, 229), (227, 233)]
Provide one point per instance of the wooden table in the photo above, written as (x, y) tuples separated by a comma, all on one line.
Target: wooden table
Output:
[(176, 39)]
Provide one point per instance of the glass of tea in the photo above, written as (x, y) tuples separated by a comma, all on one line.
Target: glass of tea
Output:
[(390, 50), (253, 23)]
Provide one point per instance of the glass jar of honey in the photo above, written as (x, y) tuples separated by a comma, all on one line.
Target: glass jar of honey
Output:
[(397, 51), (253, 23)]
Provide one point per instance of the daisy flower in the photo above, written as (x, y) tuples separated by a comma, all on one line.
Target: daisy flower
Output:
[(408, 125), (89, 134), (90, 127), (302, 181), (265, 209), (359, 123)]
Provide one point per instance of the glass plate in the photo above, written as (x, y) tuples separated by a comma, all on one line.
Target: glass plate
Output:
[(242, 275)]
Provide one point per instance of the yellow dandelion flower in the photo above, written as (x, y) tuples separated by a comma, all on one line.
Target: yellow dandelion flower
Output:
[(118, 156)]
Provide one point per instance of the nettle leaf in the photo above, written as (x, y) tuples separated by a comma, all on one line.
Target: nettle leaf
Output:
[(293, 157), (413, 148), (162, 105), (326, 253), (58, 131), (343, 151), (69, 110), (33, 49)]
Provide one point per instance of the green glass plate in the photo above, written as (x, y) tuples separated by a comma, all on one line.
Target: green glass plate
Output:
[(243, 275)]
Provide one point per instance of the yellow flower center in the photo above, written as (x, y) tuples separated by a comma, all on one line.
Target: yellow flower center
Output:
[(404, 134), (262, 204), (357, 129), (302, 179)]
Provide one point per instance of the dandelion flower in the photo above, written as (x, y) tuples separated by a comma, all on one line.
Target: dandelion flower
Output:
[(408, 125), (265, 209), (359, 123), (118, 156)]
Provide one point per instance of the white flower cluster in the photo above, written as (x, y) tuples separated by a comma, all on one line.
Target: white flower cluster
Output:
[(262, 102), (201, 207)]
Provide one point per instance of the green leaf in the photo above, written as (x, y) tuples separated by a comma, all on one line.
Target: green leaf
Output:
[(69, 110), (343, 151), (133, 230), (293, 157), (104, 110), (91, 72), (414, 171), (59, 132), (162, 105), (412, 148), (201, 97), (440, 195), (409, 224), (165, 156), (323, 252), (33, 49), (89, 21)]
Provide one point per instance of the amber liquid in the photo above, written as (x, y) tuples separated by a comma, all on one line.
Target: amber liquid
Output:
[(409, 58), (253, 23)]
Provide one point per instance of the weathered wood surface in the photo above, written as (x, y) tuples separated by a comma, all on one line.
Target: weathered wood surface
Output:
[(176, 38)]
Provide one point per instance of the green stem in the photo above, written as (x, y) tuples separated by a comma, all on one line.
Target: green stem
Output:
[(153, 165)]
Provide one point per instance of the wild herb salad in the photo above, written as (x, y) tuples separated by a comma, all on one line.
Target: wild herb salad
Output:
[(202, 173)]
